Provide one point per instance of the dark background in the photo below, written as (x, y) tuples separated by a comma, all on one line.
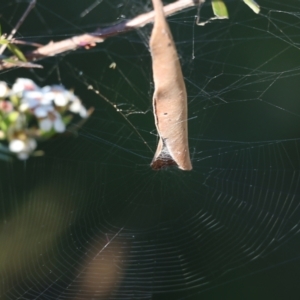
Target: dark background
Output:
[(91, 220)]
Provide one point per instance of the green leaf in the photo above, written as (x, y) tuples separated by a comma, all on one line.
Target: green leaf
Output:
[(253, 5), (2, 136), (3, 125), (14, 100), (17, 52), (219, 9), (47, 134), (13, 116), (67, 119), (0, 30), (3, 42)]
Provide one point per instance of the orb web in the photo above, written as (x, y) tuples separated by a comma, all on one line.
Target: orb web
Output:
[(91, 220)]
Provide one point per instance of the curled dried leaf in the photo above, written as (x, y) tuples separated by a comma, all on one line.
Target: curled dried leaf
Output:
[(170, 97)]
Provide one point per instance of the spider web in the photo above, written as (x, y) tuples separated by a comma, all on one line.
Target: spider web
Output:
[(91, 220)]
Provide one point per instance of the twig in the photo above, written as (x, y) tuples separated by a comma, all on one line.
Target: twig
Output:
[(54, 48), (169, 9), (19, 42), (13, 32)]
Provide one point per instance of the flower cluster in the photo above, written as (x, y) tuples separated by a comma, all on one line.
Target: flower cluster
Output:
[(29, 112)]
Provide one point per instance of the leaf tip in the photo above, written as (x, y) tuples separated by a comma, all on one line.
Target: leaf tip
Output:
[(220, 9), (253, 5)]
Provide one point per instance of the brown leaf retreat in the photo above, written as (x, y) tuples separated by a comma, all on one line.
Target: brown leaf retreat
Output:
[(170, 97)]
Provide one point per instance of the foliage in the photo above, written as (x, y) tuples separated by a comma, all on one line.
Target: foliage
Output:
[(29, 114), (220, 9)]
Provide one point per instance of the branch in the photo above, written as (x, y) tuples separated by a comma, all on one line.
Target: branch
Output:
[(98, 36), (29, 8)]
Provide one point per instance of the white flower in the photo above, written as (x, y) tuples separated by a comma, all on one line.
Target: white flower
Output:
[(58, 94), (3, 89), (47, 105), (62, 96), (46, 89), (45, 124), (23, 107), (37, 97), (23, 148), (53, 120), (35, 100), (23, 84), (31, 98), (43, 111), (31, 144), (56, 88), (77, 107), (61, 99), (59, 125), (17, 145), (83, 112)]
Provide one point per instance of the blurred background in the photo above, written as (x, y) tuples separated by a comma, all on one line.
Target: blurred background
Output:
[(91, 220)]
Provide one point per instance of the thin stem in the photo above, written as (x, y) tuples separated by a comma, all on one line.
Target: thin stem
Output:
[(16, 28), (54, 48)]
